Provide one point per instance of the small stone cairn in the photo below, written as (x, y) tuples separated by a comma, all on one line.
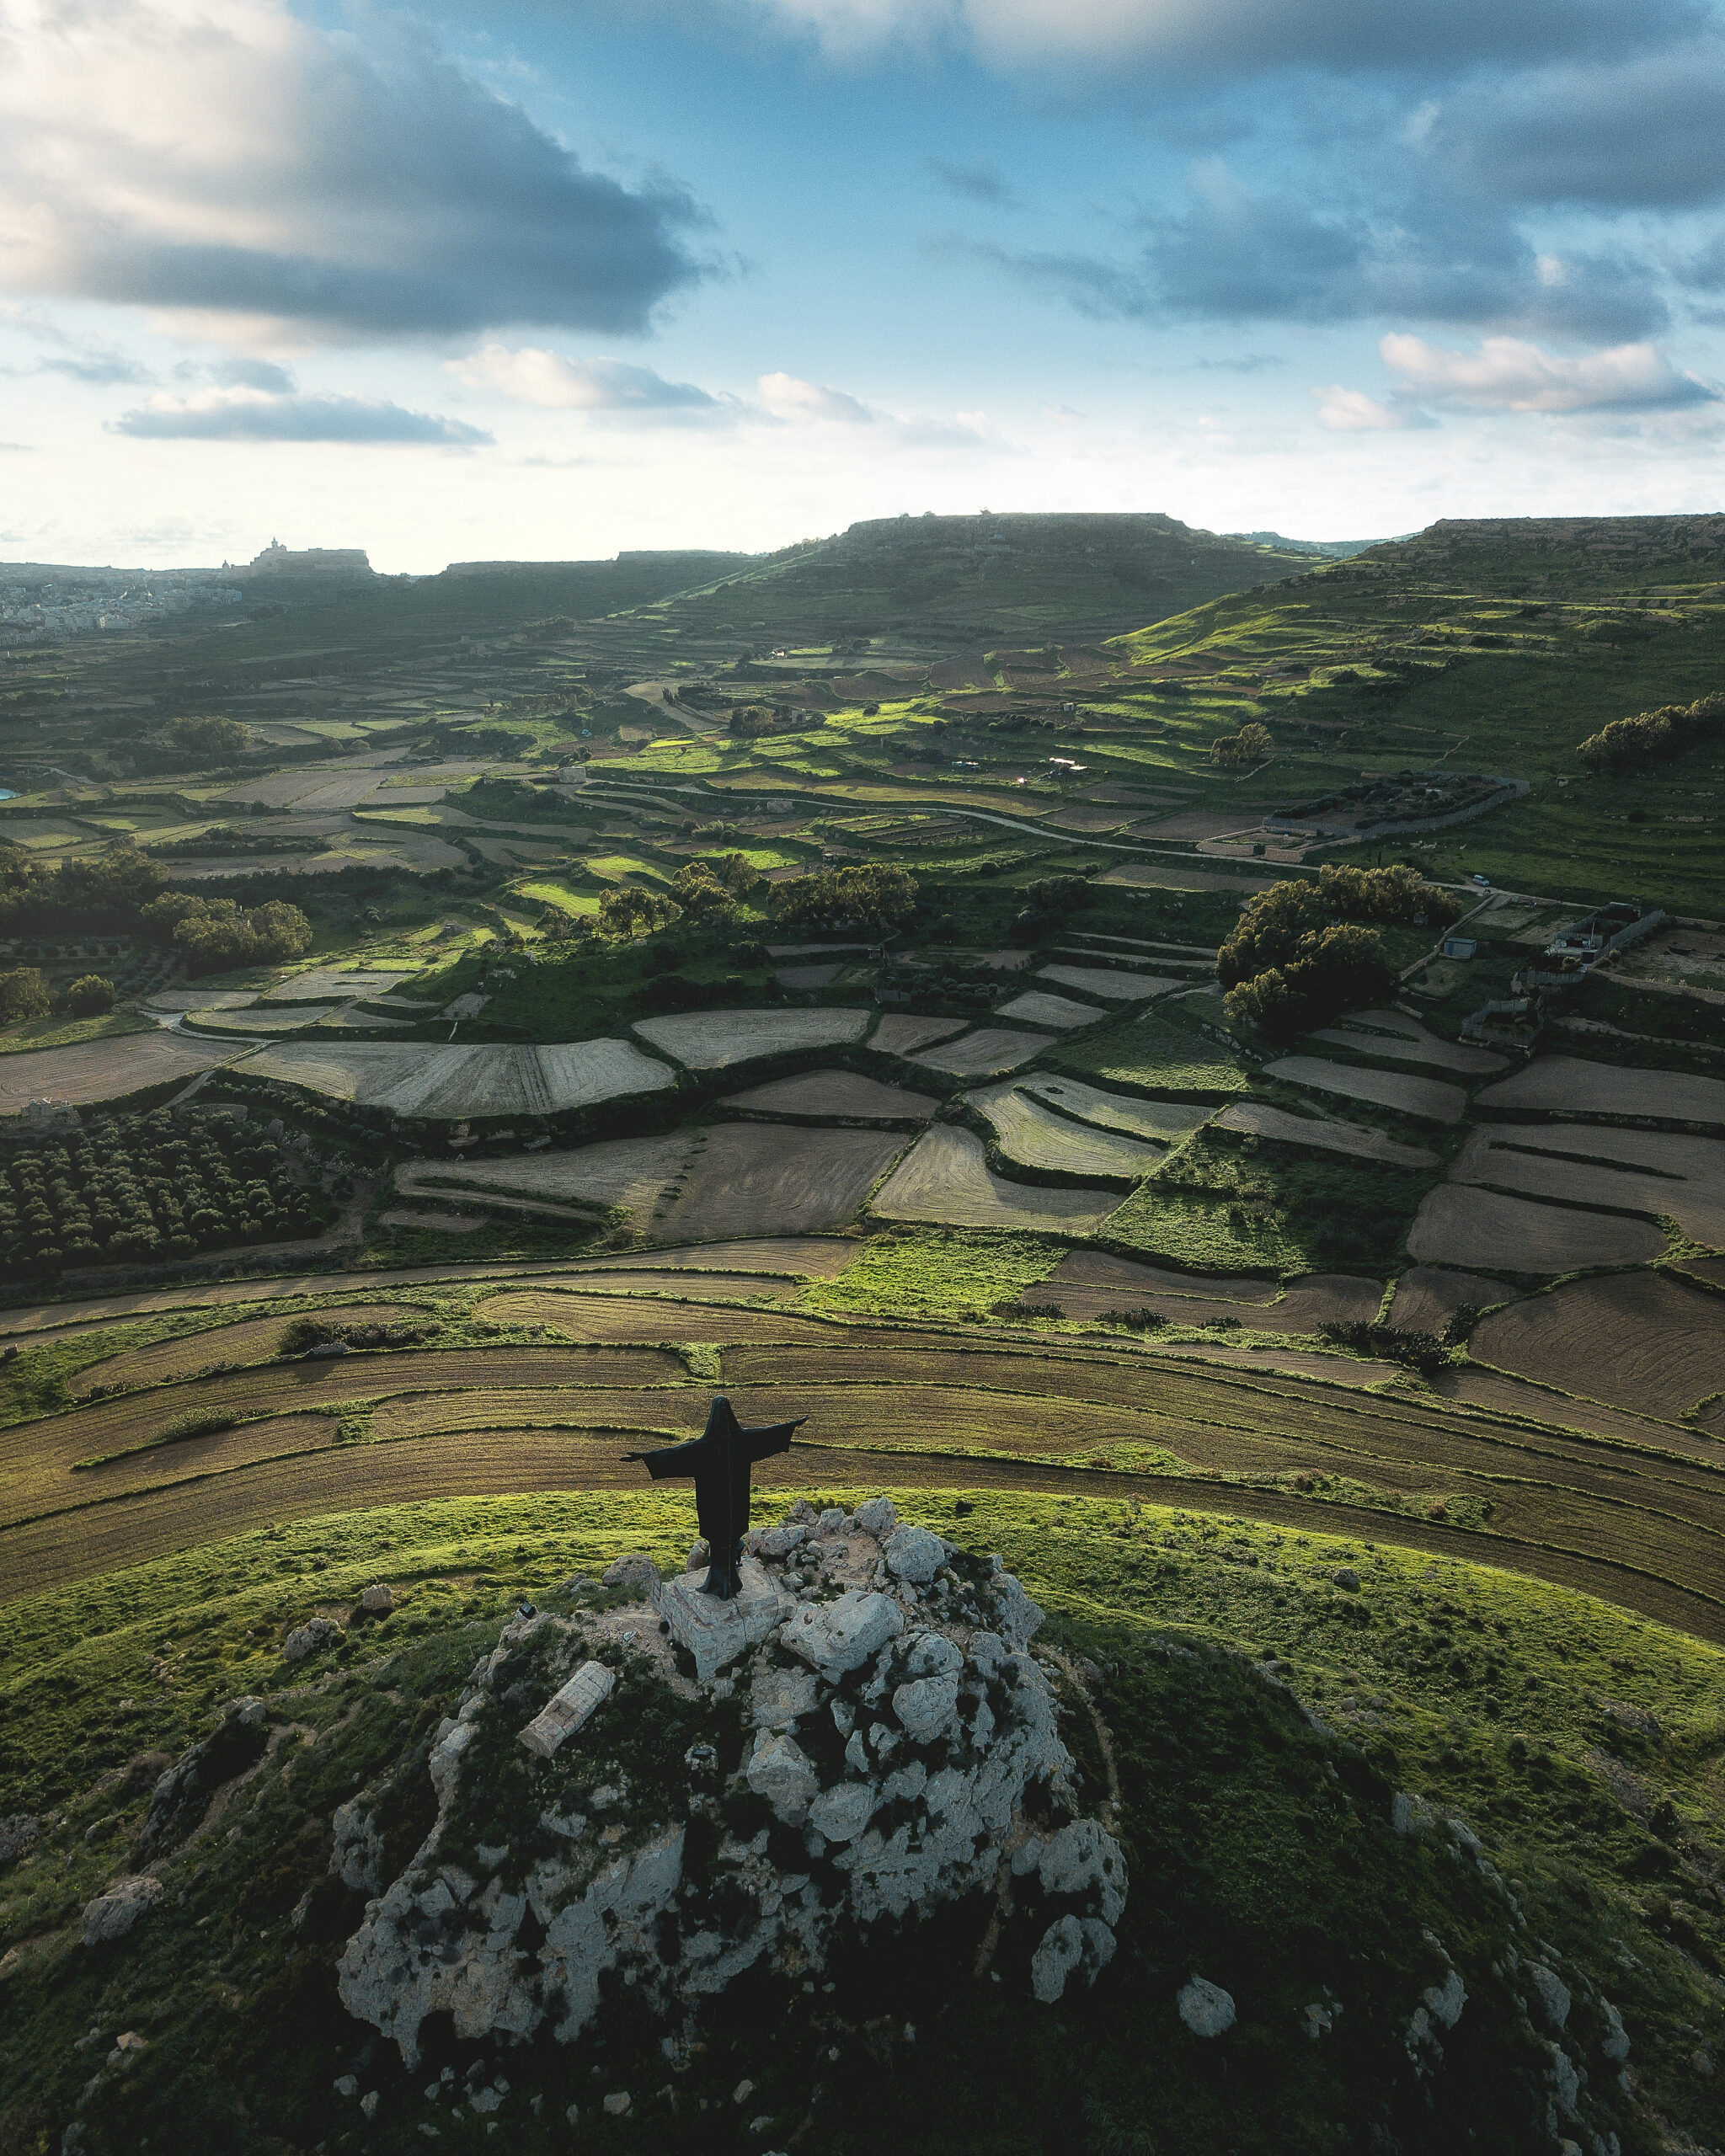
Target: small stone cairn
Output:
[(872, 1698)]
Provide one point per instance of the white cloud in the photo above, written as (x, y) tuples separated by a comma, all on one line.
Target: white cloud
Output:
[(1508, 374), (533, 376), (1352, 411), (786, 397), (240, 168)]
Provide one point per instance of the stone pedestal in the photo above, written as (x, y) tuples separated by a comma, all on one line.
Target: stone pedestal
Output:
[(717, 1632)]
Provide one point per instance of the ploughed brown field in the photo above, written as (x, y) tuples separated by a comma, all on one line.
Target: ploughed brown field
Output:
[(1508, 1466)]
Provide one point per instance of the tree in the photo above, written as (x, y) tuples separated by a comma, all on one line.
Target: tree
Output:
[(1652, 737), (217, 935), (1337, 969), (89, 996), (629, 912), (214, 738), (878, 895), (699, 892), (24, 994), (1251, 745)]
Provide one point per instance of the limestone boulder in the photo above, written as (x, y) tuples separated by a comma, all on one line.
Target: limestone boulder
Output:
[(837, 1637), (113, 1913), (916, 1556), (1206, 2009)]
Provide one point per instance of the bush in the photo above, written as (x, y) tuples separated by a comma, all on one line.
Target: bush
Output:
[(1652, 737), (219, 934), (214, 738), (1417, 1351), (89, 996), (24, 994), (877, 896), (1251, 745)]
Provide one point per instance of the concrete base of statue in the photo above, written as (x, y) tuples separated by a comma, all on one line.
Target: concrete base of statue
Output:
[(716, 1632)]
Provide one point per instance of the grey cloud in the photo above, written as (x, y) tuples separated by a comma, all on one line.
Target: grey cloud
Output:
[(101, 369), (1643, 133), (267, 418), (1236, 257), (253, 374), (974, 183), (355, 189)]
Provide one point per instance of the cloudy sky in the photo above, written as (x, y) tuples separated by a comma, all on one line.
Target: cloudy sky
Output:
[(549, 278)]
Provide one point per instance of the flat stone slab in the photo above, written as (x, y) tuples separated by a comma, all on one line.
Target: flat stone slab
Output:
[(564, 1711), (717, 1632)]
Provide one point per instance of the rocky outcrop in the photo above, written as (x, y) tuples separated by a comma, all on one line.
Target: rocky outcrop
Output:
[(112, 1914), (890, 1746), (182, 1794)]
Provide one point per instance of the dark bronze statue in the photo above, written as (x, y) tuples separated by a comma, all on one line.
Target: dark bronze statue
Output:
[(720, 1459)]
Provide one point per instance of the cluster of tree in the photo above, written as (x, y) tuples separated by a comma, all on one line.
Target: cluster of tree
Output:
[(1250, 745), (629, 912), (1417, 1351), (134, 1189), (219, 934), (24, 994), (215, 738), (1302, 952), (710, 888), (1652, 737), (749, 722), (230, 838), (878, 895), (1047, 902), (103, 895)]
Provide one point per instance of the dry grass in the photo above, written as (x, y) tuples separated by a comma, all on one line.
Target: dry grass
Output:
[(945, 1177), (1129, 1113), (743, 1179), (1401, 1039), (1036, 1007), (1353, 1139), (1564, 1084), (1427, 1297), (835, 1093), (899, 1034), (981, 1055), (1653, 1171), (1030, 1132), (1089, 1284), (712, 1040), (1427, 1098), (105, 1070), (1476, 1229), (1643, 1340), (621, 1318), (252, 1340)]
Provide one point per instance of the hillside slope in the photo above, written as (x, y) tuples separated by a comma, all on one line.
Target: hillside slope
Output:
[(969, 578)]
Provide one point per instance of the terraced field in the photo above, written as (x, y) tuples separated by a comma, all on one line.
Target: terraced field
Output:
[(1517, 1468)]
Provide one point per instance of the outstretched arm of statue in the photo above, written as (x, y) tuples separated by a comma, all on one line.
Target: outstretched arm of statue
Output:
[(671, 1460), (767, 1438)]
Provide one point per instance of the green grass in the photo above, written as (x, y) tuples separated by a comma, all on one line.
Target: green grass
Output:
[(937, 1273), (1259, 1846), (1161, 1053), (1217, 1201)]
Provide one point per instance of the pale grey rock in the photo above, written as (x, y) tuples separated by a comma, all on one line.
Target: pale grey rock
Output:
[(774, 1542), (840, 1813), (310, 1639), (1027, 1856), (906, 1782), (1346, 1578), (837, 1637), (446, 1759), (877, 1516), (1084, 1859), (699, 1557), (1205, 2007), (619, 2104), (377, 1600), (369, 2103), (568, 1708), (833, 1521), (1565, 2080), (1411, 1815), (1098, 1946), (1019, 1618), (635, 1569), (780, 1771), (926, 1707), (915, 1555), (1553, 1994), (17, 1832), (714, 1632), (782, 1696), (1614, 2043), (932, 1654), (1060, 1952), (856, 1753), (346, 2085), (357, 1858), (988, 1650), (1445, 2001), (1319, 2020), (113, 1912)]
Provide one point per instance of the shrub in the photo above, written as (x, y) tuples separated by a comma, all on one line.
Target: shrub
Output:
[(1652, 737), (214, 738), (218, 934), (89, 996), (1418, 1351), (1251, 745), (878, 895)]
